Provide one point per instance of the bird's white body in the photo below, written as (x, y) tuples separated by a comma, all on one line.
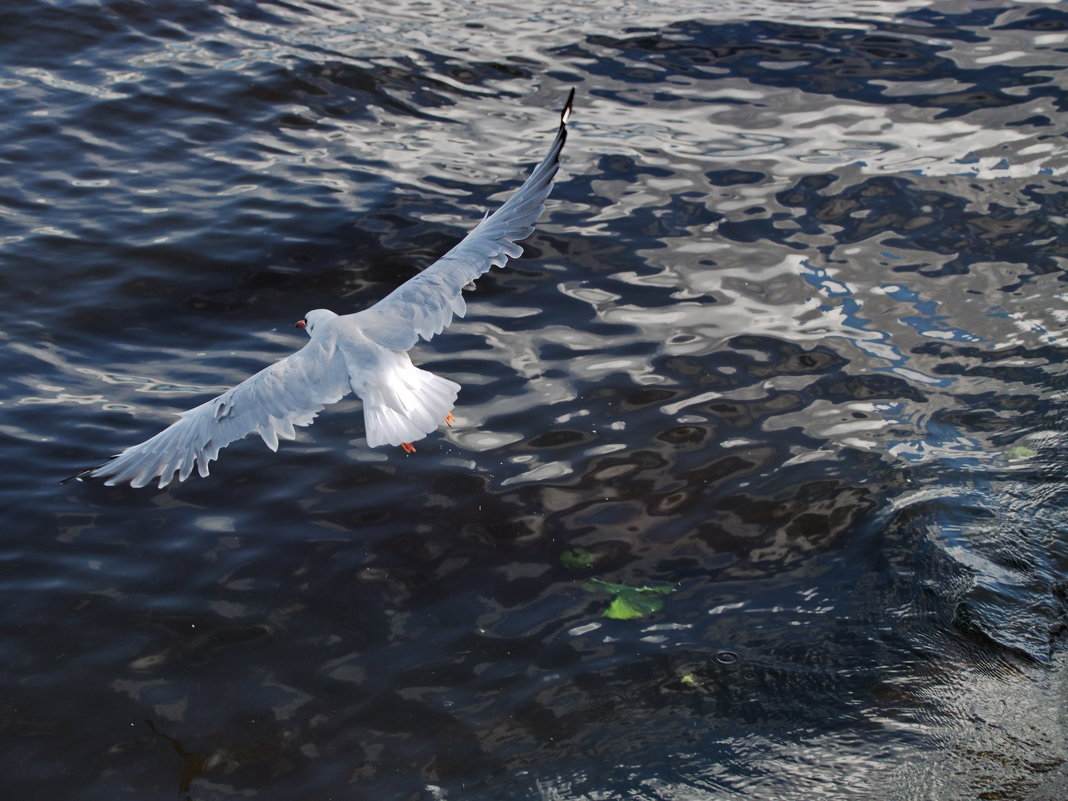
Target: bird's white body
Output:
[(401, 403), (364, 353)]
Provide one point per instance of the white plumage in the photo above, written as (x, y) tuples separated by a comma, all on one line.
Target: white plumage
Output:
[(365, 353)]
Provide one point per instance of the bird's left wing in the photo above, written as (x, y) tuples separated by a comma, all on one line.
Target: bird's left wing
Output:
[(424, 305), (290, 392)]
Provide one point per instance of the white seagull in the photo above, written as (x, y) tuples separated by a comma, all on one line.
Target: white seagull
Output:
[(365, 352)]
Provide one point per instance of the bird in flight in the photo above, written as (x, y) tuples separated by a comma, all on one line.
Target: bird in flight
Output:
[(365, 353)]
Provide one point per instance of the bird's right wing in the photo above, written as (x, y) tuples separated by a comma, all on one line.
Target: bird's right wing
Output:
[(424, 305), (290, 392)]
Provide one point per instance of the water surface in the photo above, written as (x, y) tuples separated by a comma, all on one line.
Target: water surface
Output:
[(788, 341)]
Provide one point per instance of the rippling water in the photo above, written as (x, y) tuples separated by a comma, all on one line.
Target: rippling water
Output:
[(789, 342)]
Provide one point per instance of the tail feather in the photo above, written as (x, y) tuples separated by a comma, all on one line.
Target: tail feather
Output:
[(405, 404)]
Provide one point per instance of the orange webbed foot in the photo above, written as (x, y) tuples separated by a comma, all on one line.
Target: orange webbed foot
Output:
[(449, 419), (408, 447)]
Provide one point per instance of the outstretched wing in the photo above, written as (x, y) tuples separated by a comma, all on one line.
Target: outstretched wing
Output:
[(424, 305), (290, 392)]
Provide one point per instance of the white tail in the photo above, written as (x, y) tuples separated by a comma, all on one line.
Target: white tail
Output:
[(404, 403)]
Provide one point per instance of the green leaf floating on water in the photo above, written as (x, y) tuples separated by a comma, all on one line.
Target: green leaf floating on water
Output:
[(630, 602), (578, 559), (1021, 452), (632, 605)]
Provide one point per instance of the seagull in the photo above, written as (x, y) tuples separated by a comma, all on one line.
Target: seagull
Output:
[(365, 353)]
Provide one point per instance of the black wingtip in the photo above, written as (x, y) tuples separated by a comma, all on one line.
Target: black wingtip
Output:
[(77, 476), (80, 475), (565, 115), (561, 134)]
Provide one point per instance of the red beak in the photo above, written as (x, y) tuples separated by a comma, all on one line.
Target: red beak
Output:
[(300, 324)]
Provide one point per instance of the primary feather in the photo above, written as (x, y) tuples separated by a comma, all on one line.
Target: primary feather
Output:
[(365, 353)]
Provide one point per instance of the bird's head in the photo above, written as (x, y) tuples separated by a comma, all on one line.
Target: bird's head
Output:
[(313, 319)]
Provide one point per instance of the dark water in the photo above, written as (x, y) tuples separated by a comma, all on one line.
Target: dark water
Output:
[(789, 341)]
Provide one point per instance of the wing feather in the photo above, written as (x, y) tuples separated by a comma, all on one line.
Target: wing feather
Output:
[(289, 393), (425, 304)]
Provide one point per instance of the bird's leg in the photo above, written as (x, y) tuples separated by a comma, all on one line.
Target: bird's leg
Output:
[(408, 447), (449, 419)]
